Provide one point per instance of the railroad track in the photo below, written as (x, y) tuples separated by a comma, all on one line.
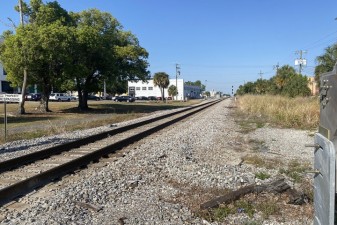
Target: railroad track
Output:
[(19, 176)]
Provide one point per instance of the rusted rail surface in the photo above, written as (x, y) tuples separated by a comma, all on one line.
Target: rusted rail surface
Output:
[(27, 185)]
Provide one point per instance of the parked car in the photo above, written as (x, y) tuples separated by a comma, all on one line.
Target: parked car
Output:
[(94, 97), (35, 97), (125, 98), (159, 98), (109, 97), (142, 98), (169, 98), (152, 98), (60, 97), (28, 97)]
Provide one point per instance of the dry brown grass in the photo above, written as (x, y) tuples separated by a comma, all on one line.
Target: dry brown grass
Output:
[(65, 117), (302, 113)]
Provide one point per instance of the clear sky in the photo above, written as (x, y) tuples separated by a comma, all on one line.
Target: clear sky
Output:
[(219, 42)]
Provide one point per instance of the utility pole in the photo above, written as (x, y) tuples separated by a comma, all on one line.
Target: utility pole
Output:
[(177, 74), (260, 74), (300, 62)]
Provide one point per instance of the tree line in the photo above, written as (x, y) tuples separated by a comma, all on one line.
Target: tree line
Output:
[(75, 51), (287, 82)]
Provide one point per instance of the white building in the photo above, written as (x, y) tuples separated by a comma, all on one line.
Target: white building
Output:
[(138, 88)]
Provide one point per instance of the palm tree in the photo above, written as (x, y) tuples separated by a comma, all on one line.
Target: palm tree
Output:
[(282, 76), (326, 62), (161, 79)]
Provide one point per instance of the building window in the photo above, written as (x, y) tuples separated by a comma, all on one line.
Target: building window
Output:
[(138, 88), (5, 87), (150, 88), (4, 72), (144, 88)]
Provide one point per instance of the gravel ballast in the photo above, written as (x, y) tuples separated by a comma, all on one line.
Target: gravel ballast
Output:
[(164, 178)]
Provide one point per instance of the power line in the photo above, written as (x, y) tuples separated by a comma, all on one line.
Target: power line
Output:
[(310, 46)]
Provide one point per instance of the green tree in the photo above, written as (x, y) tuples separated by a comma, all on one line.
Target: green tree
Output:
[(45, 48), (172, 90), (261, 86), (326, 62), (103, 51), (196, 83), (297, 86), (282, 77), (247, 88), (161, 79), (72, 51), (40, 48), (291, 84)]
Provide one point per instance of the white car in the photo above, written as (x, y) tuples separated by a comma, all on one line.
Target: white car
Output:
[(60, 97)]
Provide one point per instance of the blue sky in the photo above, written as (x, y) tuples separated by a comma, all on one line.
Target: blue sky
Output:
[(223, 43)]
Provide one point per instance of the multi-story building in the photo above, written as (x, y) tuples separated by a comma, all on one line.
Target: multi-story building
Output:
[(138, 88)]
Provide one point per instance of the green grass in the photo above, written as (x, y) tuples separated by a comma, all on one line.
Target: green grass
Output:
[(262, 175), (261, 162), (267, 208), (295, 170)]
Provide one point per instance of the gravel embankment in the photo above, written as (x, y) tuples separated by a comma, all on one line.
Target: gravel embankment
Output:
[(163, 179)]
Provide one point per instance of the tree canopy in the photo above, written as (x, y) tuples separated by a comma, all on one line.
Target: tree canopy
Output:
[(172, 90), (196, 83), (326, 61), (66, 51), (285, 82)]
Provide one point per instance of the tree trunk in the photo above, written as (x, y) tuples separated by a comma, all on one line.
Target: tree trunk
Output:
[(83, 100), (45, 104), (162, 95), (23, 93)]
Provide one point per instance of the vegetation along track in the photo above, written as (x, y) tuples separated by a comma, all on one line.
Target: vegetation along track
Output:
[(21, 175)]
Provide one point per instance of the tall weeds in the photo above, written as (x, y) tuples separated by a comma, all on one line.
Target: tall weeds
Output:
[(300, 112)]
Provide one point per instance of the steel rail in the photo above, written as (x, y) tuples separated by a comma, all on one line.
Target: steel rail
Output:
[(45, 153), (22, 188)]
